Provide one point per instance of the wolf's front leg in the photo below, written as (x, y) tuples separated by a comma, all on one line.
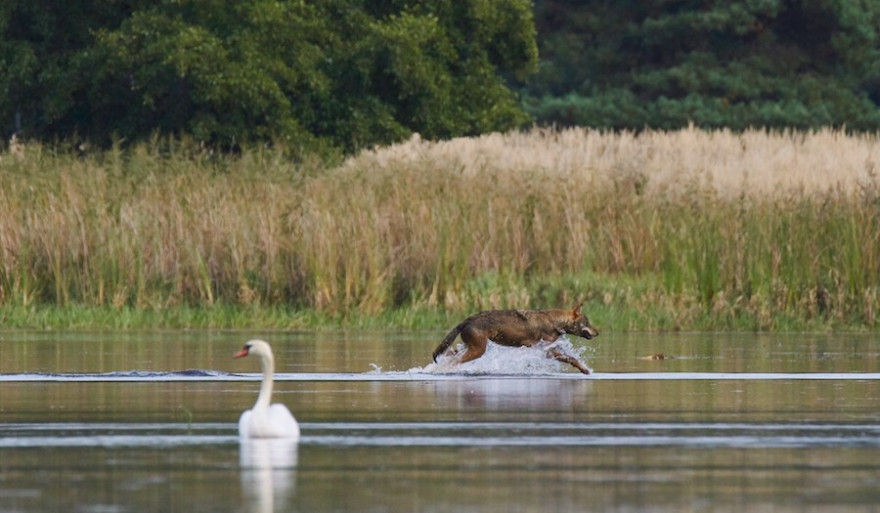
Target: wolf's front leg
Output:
[(567, 358)]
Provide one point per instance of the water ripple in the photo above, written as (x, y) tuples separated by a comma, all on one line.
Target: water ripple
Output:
[(456, 434), (373, 376)]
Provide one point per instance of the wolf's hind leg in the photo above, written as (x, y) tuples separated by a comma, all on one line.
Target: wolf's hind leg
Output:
[(567, 358), (476, 346)]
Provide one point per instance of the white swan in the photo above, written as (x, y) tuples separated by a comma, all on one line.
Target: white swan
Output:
[(265, 420)]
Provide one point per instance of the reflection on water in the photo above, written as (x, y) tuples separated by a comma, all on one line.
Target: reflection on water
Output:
[(268, 473), (82, 352), (522, 395), (147, 422)]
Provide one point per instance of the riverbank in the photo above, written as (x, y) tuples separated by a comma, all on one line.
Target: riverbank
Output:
[(685, 230)]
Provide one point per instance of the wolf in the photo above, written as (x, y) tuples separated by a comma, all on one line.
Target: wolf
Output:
[(520, 328)]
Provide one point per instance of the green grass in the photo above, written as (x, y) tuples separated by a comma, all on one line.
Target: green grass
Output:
[(420, 236)]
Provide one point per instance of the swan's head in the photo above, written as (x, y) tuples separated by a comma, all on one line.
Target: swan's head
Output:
[(256, 348)]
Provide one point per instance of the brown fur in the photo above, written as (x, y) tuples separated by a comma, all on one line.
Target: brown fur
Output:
[(519, 328)]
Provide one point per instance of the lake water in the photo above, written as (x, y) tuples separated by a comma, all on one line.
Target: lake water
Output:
[(128, 422)]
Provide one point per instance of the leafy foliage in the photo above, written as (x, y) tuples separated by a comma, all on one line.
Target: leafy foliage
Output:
[(768, 63), (311, 75)]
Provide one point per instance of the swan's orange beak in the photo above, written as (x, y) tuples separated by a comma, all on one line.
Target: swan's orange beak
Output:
[(243, 352)]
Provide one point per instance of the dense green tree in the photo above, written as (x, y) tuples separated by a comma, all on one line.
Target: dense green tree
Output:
[(330, 73), (38, 40), (663, 64)]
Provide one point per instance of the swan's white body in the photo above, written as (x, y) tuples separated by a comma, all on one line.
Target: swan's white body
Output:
[(265, 420)]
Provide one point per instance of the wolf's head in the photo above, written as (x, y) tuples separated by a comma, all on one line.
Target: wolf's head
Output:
[(579, 324)]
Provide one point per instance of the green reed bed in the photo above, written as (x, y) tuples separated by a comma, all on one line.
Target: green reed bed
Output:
[(648, 230)]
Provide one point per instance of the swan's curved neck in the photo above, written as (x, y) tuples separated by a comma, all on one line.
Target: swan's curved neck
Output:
[(265, 397)]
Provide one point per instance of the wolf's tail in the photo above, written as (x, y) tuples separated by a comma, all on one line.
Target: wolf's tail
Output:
[(450, 337)]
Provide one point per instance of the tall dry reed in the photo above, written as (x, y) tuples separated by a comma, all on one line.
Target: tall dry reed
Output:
[(731, 226)]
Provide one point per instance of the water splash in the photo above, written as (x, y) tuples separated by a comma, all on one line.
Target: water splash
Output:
[(503, 360)]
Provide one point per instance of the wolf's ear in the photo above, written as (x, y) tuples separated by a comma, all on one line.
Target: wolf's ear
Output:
[(576, 311)]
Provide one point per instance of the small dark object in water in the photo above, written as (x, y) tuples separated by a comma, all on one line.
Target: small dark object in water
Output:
[(657, 356)]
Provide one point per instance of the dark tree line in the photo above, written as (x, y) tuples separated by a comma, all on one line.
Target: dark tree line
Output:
[(339, 75), (716, 63)]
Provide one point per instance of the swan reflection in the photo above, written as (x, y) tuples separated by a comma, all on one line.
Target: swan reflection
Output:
[(268, 473)]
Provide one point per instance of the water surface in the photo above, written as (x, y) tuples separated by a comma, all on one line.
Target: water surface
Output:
[(107, 422)]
